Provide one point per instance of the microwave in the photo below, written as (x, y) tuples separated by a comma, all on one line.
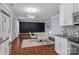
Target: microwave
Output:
[(76, 18)]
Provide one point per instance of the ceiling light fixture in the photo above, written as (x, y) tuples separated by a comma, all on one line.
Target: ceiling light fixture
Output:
[(31, 10), (30, 16)]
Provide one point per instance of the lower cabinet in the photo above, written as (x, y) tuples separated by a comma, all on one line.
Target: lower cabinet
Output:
[(4, 48), (61, 46), (7, 48), (57, 45), (64, 46)]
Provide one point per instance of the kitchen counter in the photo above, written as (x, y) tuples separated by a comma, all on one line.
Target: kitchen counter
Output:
[(65, 36), (70, 38), (2, 40), (70, 42)]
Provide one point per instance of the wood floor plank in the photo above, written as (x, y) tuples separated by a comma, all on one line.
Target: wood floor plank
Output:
[(37, 50)]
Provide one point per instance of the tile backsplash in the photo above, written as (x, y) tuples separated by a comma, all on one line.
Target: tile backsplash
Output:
[(70, 30)]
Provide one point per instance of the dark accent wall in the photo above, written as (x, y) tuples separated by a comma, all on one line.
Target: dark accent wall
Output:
[(26, 27)]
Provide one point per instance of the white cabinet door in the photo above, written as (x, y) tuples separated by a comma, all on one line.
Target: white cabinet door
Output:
[(7, 48), (57, 45), (76, 7), (61, 45), (4, 48), (64, 46), (2, 51), (66, 11), (68, 14), (61, 15), (0, 23)]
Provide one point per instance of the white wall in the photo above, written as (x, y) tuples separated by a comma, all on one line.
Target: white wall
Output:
[(52, 26), (55, 27), (15, 27), (47, 26)]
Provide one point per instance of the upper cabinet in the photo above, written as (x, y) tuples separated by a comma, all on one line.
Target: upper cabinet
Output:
[(61, 14), (66, 13), (5, 21), (66, 17), (76, 7)]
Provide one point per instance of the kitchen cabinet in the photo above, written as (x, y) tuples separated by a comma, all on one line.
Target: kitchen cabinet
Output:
[(76, 7), (5, 27), (7, 47), (2, 52), (64, 46), (66, 11), (4, 48), (74, 48), (61, 45), (61, 15), (0, 24), (57, 45)]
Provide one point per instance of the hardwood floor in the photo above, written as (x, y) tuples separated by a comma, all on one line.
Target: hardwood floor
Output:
[(38, 50)]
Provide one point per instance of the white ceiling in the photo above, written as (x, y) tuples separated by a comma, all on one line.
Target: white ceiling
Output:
[(46, 10)]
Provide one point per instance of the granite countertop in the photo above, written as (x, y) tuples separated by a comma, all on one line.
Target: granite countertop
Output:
[(70, 42), (2, 40), (65, 36), (70, 38)]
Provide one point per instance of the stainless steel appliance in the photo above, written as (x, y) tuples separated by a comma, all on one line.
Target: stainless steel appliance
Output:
[(76, 17), (74, 45), (74, 48)]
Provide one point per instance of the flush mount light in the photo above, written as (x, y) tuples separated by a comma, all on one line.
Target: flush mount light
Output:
[(32, 10), (30, 16), (21, 17)]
